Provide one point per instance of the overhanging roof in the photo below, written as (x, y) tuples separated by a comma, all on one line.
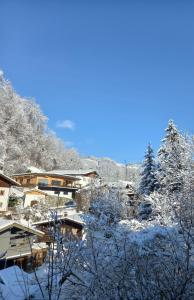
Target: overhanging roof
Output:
[(79, 172), (51, 174), (6, 224), (9, 179)]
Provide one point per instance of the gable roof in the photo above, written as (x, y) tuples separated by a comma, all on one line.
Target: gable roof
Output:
[(9, 179), (75, 219), (6, 224)]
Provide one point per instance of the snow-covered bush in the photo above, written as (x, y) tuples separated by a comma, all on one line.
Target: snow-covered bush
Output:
[(107, 207), (144, 264)]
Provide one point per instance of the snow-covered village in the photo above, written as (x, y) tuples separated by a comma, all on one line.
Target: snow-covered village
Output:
[(96, 150)]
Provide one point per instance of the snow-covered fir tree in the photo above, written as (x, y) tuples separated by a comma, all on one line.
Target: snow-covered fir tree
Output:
[(148, 183), (174, 159), (175, 197)]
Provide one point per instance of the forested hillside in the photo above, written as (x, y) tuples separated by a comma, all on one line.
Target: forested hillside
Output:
[(25, 140), (111, 170)]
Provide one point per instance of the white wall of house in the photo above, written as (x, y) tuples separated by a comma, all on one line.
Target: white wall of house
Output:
[(4, 198), (84, 180), (5, 242), (20, 246), (61, 195), (30, 197)]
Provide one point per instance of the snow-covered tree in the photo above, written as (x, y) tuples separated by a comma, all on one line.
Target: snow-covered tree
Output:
[(174, 159), (25, 139), (108, 205), (148, 182), (175, 174)]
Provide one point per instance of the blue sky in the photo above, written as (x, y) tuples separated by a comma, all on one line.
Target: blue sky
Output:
[(108, 74)]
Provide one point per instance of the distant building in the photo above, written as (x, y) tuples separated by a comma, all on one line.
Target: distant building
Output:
[(84, 177), (33, 196), (51, 183), (6, 185)]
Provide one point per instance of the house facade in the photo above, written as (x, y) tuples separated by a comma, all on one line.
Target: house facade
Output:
[(84, 177), (71, 227), (50, 183), (33, 196), (6, 185), (17, 242)]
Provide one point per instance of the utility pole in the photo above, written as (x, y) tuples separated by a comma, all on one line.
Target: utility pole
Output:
[(125, 169)]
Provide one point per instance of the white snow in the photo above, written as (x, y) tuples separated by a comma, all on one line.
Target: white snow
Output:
[(15, 284)]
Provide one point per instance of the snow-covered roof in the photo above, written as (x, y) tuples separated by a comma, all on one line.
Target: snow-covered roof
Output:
[(9, 179), (5, 224), (76, 218), (73, 172), (50, 173), (34, 169), (35, 190), (15, 284), (73, 217)]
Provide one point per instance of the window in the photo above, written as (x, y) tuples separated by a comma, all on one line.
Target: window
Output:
[(28, 181), (2, 193), (43, 182), (65, 193), (56, 182), (69, 183)]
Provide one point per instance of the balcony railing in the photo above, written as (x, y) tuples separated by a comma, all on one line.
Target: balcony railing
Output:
[(69, 185)]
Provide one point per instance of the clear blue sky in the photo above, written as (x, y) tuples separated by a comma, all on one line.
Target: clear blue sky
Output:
[(117, 69)]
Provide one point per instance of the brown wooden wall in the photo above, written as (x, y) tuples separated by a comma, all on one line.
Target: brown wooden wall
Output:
[(4, 183), (27, 180)]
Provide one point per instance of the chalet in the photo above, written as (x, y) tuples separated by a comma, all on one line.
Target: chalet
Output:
[(17, 242), (84, 177), (130, 191), (70, 227), (33, 196), (6, 188), (51, 183)]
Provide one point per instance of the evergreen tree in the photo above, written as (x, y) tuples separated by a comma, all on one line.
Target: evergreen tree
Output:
[(173, 157), (148, 183)]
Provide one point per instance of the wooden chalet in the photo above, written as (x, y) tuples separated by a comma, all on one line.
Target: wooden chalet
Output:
[(51, 183), (19, 244), (70, 228)]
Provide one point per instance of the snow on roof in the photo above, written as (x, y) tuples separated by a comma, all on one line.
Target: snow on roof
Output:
[(34, 169), (75, 218), (50, 173), (72, 217), (15, 284), (73, 172), (35, 190), (9, 179), (5, 224)]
